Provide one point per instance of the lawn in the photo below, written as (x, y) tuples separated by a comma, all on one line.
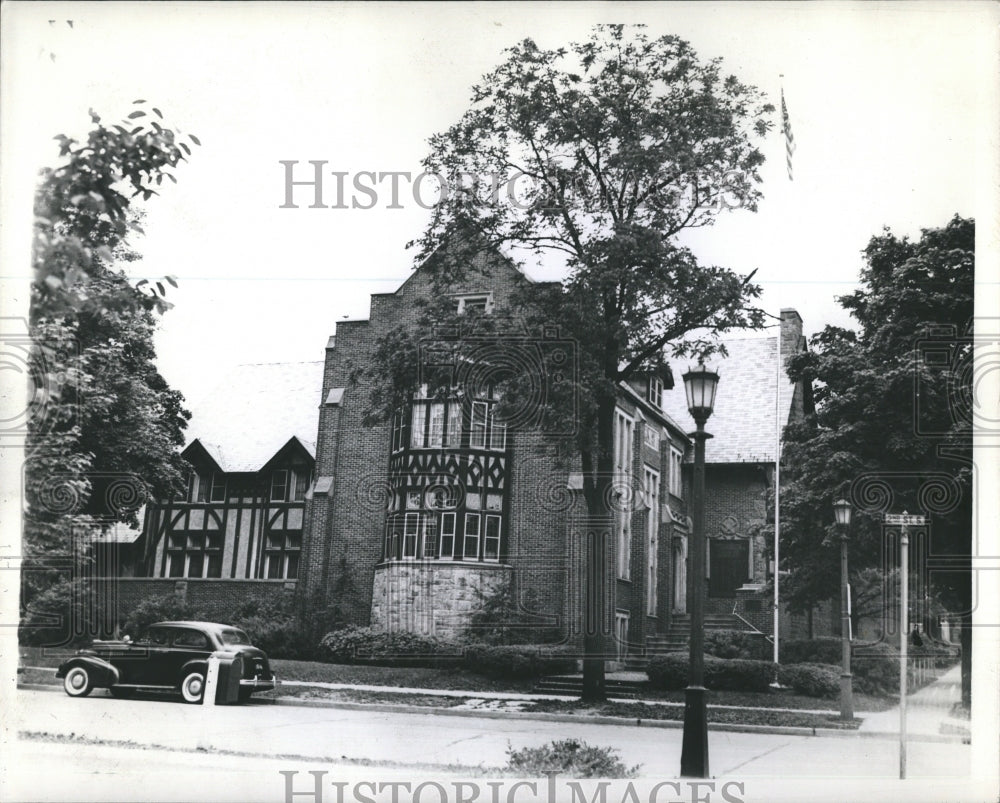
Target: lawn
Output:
[(462, 680), (406, 677)]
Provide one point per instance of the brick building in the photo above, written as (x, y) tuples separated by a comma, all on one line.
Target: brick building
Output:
[(415, 523)]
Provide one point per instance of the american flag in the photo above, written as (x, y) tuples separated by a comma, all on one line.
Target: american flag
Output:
[(786, 128)]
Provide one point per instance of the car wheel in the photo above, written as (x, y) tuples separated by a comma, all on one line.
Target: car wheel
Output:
[(121, 694), (77, 682), (193, 687)]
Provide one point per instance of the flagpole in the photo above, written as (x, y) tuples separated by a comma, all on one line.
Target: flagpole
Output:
[(777, 497)]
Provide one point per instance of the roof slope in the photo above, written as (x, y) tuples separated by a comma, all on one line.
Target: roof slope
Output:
[(742, 424), (255, 410)]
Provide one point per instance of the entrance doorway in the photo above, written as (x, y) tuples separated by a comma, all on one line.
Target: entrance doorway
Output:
[(728, 561)]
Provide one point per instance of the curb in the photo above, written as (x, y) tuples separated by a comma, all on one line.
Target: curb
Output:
[(728, 727)]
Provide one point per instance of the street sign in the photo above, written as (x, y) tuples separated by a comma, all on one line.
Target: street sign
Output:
[(905, 518)]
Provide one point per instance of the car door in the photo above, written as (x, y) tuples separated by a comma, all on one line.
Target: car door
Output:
[(141, 660), (186, 644)]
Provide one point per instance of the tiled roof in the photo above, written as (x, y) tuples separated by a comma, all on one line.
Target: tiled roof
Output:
[(742, 424), (255, 410)]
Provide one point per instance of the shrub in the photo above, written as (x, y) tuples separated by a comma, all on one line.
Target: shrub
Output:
[(501, 620), (364, 645), (812, 680), (668, 672), (738, 674), (824, 650), (569, 757), (517, 661), (875, 668), (160, 609), (721, 674), (736, 644), (274, 626)]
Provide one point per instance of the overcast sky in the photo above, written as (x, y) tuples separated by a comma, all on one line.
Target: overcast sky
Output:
[(893, 107)]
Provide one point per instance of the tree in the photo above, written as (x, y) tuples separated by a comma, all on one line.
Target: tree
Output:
[(103, 426), (598, 155), (893, 426)]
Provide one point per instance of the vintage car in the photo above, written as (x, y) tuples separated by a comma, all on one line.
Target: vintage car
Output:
[(166, 656)]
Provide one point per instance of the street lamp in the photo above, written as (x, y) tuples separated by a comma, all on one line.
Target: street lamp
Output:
[(842, 512), (700, 385)]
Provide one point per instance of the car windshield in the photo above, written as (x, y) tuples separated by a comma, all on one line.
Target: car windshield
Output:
[(234, 636)]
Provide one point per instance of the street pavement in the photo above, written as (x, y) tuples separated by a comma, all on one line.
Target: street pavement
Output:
[(770, 767)]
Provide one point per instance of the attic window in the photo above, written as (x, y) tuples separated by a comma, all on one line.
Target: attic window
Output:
[(654, 392), (480, 304), (279, 485)]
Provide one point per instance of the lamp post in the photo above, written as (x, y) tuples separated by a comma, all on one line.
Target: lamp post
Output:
[(700, 385), (842, 512)]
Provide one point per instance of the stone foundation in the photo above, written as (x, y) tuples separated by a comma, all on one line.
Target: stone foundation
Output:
[(433, 598)]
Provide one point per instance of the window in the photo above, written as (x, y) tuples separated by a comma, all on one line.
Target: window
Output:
[(397, 432), (470, 547), (676, 460), (447, 535), (301, 484), (194, 554), (218, 487), (623, 482), (498, 431), (435, 437), (481, 304), (418, 416), (279, 485), (411, 527), (190, 638), (453, 433), (477, 430), (281, 555), (436, 425), (491, 543), (430, 537), (654, 391), (652, 490), (203, 481)]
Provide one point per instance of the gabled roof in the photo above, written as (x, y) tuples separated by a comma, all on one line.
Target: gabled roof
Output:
[(255, 410), (742, 424)]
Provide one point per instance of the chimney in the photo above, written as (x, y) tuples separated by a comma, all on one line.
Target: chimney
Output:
[(791, 332)]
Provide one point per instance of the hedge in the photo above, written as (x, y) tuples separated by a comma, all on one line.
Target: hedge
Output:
[(825, 650), (812, 680), (737, 644), (365, 645), (671, 672), (874, 667), (517, 661)]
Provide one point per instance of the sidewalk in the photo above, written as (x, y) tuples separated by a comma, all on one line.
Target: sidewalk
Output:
[(928, 711)]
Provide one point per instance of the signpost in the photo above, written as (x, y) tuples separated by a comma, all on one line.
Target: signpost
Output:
[(904, 520)]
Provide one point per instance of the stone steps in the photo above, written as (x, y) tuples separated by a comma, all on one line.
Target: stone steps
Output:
[(572, 685)]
